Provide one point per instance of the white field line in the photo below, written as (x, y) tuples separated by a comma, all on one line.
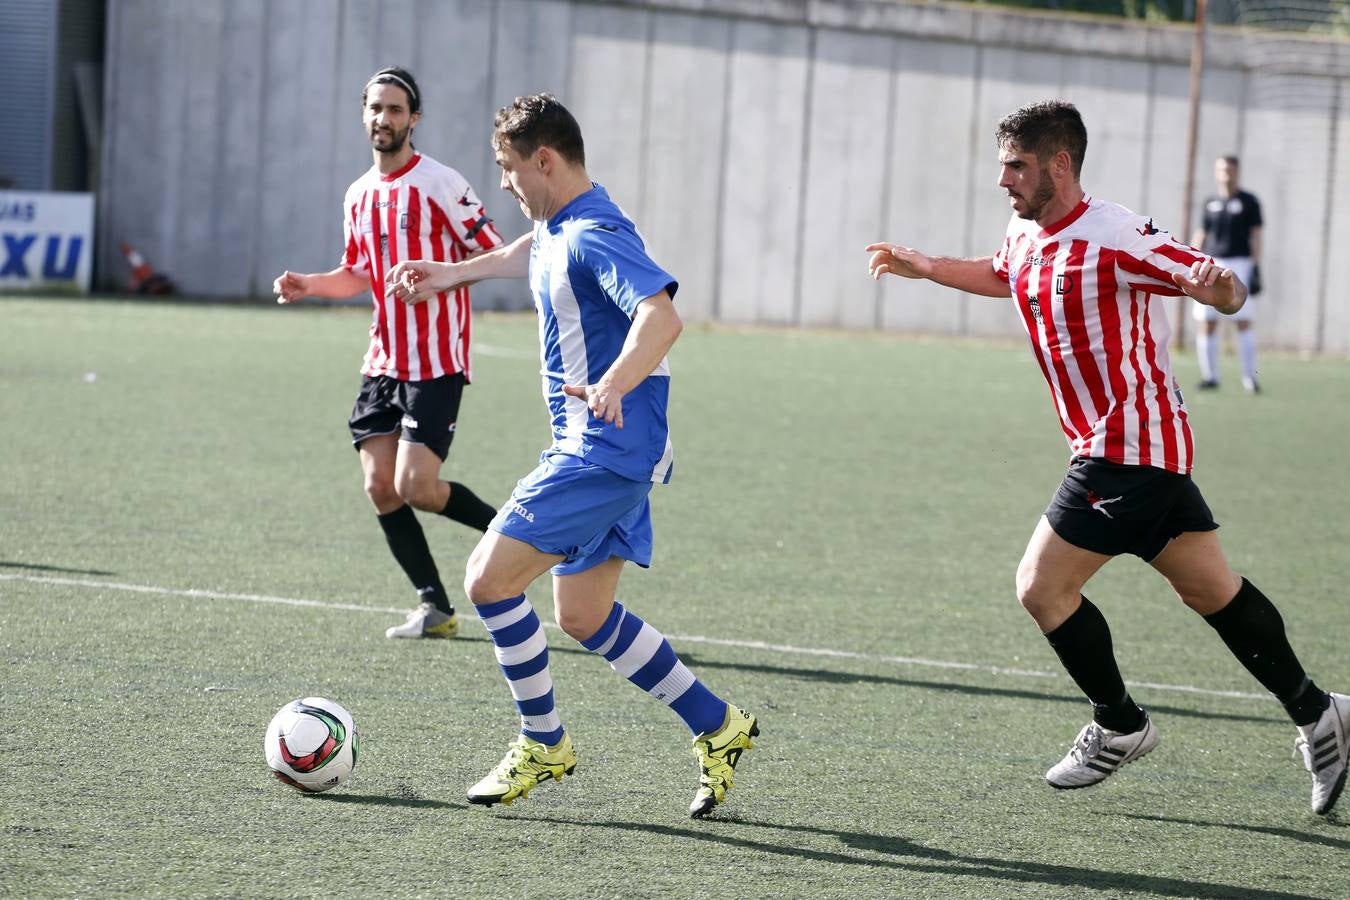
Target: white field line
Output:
[(785, 649)]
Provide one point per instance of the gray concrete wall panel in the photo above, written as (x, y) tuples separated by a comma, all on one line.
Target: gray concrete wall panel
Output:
[(1286, 166), (763, 185), (1334, 334), (610, 98), (234, 127), (299, 220), (930, 185), (1116, 111), (848, 165), (684, 140)]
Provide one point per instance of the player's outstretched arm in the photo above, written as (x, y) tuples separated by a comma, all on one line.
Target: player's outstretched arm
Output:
[(1212, 285), (656, 325), (415, 280), (974, 276), (338, 284)]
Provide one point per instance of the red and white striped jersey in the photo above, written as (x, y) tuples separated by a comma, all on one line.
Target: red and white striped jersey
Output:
[(1089, 291), (425, 210)]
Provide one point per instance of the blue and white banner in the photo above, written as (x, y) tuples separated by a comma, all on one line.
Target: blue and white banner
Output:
[(46, 240)]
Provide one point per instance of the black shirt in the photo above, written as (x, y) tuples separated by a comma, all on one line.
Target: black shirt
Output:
[(1228, 224)]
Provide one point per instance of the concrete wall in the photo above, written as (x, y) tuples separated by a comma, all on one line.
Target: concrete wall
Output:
[(759, 144)]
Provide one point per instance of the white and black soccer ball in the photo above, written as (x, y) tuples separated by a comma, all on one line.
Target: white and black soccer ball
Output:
[(311, 744)]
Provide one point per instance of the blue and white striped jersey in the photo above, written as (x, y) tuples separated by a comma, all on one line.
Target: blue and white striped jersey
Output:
[(589, 270)]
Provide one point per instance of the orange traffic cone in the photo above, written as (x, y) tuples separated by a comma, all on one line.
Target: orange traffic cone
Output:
[(143, 279), (140, 268)]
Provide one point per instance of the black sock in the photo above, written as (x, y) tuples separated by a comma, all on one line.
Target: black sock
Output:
[(409, 546), (1252, 628), (464, 506), (1083, 643)]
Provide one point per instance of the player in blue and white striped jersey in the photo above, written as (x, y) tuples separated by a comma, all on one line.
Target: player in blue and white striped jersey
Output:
[(606, 321)]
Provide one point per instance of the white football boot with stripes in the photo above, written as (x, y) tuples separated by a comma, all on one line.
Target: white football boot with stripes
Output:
[(1098, 752), (1324, 745)]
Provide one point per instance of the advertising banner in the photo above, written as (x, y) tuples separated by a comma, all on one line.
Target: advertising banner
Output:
[(46, 240)]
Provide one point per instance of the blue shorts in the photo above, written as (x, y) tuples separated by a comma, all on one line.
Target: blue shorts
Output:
[(581, 511)]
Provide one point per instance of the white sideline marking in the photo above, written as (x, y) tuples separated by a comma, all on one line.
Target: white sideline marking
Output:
[(678, 638)]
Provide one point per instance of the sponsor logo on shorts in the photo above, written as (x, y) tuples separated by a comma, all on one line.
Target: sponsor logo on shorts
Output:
[(1099, 503), (522, 512), (409, 422)]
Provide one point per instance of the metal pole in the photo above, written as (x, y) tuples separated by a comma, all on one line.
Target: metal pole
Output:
[(1193, 126)]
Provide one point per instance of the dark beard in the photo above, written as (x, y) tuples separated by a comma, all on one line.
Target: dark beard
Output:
[(1045, 192), (396, 141)]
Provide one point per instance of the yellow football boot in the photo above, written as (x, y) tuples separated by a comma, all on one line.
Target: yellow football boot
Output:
[(526, 763), (717, 754)]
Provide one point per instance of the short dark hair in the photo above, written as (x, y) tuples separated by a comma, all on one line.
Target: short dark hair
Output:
[(1231, 159), (1044, 129), (538, 120), (398, 77)]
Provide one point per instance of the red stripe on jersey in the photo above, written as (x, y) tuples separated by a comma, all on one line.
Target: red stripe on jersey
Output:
[(1068, 394), (381, 323), (445, 323), (1074, 320), (1022, 295), (1165, 422), (400, 309), (353, 252), (427, 365), (1140, 407), (1108, 309)]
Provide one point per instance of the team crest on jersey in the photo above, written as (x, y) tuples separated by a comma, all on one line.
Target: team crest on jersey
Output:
[(1149, 228), (1034, 304)]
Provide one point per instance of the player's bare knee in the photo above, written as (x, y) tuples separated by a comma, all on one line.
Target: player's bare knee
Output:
[(481, 583), (577, 625), (380, 490)]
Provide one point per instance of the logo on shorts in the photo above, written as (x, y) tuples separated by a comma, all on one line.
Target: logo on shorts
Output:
[(522, 512), (1099, 504), (409, 422)]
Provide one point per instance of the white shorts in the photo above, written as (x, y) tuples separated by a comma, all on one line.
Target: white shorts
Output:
[(1242, 268)]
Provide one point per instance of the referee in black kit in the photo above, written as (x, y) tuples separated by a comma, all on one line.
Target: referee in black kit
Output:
[(1230, 231)]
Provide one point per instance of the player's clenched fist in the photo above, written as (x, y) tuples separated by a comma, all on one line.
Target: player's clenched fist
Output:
[(290, 286), (413, 281)]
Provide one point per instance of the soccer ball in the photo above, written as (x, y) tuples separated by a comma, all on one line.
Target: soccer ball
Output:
[(311, 744)]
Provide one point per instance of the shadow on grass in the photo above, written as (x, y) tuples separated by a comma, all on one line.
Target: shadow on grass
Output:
[(386, 800), (31, 567), (828, 676), (914, 857), (1293, 834)]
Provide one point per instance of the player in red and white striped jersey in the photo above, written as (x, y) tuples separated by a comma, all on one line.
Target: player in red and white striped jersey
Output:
[(407, 206), (1088, 279)]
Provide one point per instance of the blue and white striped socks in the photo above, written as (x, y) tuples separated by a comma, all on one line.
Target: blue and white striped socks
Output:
[(522, 651), (640, 653)]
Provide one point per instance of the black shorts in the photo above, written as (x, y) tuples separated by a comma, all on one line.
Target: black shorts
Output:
[(1109, 508), (425, 411)]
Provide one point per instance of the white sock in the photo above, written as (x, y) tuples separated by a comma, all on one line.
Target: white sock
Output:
[(1207, 353), (1246, 341)]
